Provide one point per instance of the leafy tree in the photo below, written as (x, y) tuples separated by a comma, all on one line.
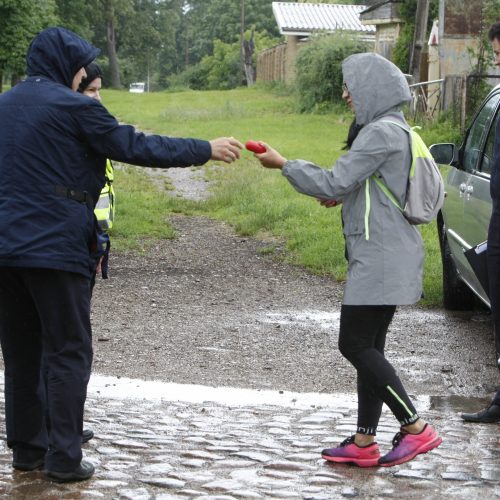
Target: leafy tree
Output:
[(110, 9), (78, 16), (221, 20), (221, 70), (20, 21), (150, 49)]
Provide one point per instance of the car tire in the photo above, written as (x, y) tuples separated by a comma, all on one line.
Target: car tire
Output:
[(457, 296)]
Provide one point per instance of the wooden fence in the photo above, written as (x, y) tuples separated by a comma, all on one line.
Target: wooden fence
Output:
[(271, 64)]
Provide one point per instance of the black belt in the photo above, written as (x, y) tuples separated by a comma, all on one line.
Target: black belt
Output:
[(75, 194)]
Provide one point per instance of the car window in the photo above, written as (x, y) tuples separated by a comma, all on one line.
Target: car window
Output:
[(489, 147), (472, 148)]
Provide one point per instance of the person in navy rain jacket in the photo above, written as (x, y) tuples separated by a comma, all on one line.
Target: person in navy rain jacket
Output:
[(53, 146)]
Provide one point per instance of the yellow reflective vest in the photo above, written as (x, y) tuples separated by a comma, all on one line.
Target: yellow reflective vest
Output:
[(105, 208)]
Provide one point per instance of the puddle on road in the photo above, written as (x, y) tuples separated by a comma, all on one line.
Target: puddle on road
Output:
[(323, 319), (127, 388), (454, 404), (331, 320), (151, 390), (123, 388)]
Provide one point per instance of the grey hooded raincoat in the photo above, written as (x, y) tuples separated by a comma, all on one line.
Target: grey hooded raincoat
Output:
[(385, 252)]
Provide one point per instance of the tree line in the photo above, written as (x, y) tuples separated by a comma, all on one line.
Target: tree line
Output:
[(145, 39), (196, 43)]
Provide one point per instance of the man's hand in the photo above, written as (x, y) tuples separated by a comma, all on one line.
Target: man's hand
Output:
[(270, 158), (226, 149)]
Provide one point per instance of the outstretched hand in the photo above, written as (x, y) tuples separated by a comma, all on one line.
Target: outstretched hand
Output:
[(270, 158), (226, 149)]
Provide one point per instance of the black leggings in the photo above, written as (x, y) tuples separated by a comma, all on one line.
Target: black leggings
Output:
[(363, 330)]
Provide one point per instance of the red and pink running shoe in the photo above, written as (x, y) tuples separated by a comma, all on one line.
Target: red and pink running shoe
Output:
[(350, 453), (407, 446)]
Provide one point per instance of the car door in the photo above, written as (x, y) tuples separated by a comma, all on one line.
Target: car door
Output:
[(468, 195)]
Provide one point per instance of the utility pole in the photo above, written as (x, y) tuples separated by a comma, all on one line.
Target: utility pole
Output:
[(242, 39), (419, 37)]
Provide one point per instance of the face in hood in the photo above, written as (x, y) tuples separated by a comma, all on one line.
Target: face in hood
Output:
[(376, 86), (57, 54)]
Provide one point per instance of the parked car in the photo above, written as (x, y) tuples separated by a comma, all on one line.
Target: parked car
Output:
[(137, 87), (464, 218)]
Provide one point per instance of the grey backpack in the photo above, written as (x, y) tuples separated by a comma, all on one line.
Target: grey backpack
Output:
[(425, 191)]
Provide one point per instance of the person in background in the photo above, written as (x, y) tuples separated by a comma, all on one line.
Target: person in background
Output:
[(384, 252), (491, 414), (105, 208), (54, 143)]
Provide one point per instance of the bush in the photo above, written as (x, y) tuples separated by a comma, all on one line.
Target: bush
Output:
[(223, 67), (194, 77), (444, 129), (319, 70)]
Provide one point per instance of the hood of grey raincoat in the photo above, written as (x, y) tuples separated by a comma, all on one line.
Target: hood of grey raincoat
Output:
[(376, 86)]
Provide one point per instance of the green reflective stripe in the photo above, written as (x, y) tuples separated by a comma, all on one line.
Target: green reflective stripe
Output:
[(367, 209), (403, 404), (386, 191), (109, 170)]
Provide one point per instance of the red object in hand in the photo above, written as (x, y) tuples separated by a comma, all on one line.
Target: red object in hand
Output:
[(255, 147)]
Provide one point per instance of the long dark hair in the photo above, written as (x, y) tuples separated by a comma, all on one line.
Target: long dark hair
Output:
[(354, 129)]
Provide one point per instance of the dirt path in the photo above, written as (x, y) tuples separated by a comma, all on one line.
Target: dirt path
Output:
[(208, 308)]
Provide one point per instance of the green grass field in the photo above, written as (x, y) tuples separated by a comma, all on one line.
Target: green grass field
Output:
[(255, 201)]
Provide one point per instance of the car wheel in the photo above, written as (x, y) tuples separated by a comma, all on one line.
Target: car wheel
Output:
[(457, 296)]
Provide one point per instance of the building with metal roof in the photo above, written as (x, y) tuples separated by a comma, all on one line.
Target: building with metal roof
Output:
[(303, 19), (298, 22)]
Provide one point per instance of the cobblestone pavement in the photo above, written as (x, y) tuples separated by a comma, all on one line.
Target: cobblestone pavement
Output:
[(160, 449)]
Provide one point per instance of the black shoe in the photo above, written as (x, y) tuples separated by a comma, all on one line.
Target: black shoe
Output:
[(87, 435), (81, 473), (27, 462), (489, 415)]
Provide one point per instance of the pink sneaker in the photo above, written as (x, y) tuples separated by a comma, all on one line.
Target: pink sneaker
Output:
[(350, 453), (407, 446)]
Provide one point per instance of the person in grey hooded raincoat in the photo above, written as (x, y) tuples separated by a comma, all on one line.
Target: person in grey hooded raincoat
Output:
[(385, 253)]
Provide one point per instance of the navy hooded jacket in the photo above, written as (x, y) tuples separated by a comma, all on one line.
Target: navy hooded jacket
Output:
[(52, 138)]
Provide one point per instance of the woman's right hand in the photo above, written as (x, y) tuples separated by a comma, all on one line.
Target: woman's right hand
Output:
[(329, 203), (270, 158)]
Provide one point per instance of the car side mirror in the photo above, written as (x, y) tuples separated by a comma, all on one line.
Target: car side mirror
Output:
[(445, 154)]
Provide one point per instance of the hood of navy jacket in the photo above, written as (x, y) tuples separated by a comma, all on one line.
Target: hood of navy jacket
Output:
[(53, 142), (57, 54)]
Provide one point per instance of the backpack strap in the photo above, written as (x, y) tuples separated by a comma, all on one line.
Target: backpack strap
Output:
[(386, 191), (381, 185), (379, 182)]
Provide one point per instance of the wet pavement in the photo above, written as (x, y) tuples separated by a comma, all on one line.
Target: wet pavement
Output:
[(157, 440)]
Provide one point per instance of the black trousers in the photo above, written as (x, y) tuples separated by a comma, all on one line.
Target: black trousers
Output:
[(363, 331), (45, 314), (493, 257)]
